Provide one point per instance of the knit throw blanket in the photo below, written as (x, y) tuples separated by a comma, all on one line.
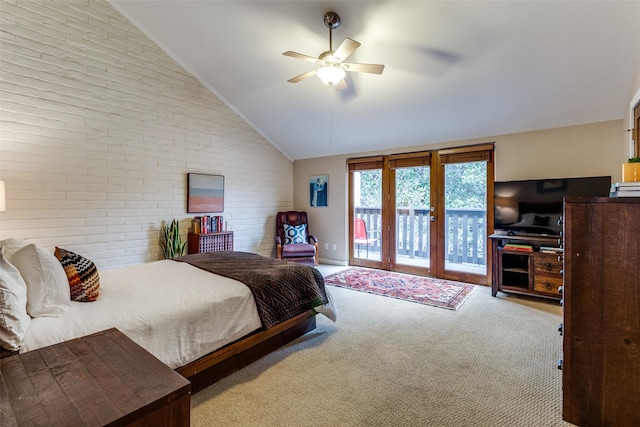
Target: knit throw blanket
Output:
[(281, 289)]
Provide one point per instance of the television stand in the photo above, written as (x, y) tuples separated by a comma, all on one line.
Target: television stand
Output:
[(535, 272)]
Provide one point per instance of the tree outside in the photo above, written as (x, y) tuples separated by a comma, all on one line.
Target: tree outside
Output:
[(465, 188), (465, 205)]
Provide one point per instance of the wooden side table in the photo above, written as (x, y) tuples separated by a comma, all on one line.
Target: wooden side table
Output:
[(98, 380)]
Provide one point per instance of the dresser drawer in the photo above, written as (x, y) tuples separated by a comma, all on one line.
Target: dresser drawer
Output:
[(546, 263), (547, 283)]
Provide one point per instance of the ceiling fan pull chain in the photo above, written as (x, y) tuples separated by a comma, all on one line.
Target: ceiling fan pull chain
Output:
[(333, 92)]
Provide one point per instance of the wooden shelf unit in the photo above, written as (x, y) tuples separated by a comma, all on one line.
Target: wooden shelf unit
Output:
[(209, 242), (530, 273)]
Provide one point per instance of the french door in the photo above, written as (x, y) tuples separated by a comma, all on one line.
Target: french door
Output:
[(368, 213), (425, 213), (636, 129), (412, 221)]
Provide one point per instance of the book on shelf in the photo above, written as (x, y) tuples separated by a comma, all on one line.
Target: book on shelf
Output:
[(625, 193), (551, 250), (207, 224), (625, 189), (518, 247), (626, 184)]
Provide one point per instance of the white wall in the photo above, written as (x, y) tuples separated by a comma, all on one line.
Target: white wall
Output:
[(98, 129), (634, 99), (589, 150)]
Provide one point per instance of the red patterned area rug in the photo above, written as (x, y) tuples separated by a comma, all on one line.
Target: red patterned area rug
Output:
[(424, 290)]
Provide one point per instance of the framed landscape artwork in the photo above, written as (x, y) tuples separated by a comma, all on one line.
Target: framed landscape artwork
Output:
[(205, 193), (319, 190)]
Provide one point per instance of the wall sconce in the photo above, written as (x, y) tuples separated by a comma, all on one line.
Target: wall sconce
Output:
[(3, 200)]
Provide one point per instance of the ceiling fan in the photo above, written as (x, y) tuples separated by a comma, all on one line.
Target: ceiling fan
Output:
[(332, 68)]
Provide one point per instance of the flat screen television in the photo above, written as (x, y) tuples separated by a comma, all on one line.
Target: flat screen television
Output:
[(533, 207)]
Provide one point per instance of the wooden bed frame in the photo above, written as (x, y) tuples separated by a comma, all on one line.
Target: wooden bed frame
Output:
[(235, 356), (174, 408)]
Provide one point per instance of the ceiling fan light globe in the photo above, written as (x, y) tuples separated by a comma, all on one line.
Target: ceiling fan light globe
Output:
[(330, 75)]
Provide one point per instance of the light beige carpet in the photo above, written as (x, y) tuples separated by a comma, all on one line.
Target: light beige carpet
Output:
[(388, 362)]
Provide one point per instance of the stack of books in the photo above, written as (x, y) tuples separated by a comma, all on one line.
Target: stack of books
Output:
[(207, 224), (625, 189), (518, 247), (551, 250)]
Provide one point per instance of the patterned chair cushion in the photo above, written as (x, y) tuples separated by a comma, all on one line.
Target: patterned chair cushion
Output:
[(295, 234), (82, 273)]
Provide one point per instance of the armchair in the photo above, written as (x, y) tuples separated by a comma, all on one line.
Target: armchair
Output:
[(294, 242)]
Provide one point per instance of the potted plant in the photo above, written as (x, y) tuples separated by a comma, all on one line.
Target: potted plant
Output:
[(172, 246), (631, 170)]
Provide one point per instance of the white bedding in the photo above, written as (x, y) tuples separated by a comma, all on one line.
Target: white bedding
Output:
[(175, 311)]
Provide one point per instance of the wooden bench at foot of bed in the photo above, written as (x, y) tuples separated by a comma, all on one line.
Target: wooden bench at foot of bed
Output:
[(99, 379), (235, 356)]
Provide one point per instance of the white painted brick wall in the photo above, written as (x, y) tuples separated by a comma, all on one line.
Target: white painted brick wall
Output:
[(98, 129)]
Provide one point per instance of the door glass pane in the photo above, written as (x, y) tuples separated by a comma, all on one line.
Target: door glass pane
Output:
[(412, 216), (367, 202), (465, 217)]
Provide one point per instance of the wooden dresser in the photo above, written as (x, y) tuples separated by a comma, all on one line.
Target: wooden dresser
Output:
[(601, 328), (98, 380)]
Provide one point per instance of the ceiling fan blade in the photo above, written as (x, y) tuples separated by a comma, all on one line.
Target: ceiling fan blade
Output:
[(365, 68), (301, 56), (346, 48), (302, 76)]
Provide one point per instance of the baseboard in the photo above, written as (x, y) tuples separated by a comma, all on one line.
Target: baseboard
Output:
[(332, 262)]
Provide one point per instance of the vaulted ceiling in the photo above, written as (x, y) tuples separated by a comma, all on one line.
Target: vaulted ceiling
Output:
[(453, 69)]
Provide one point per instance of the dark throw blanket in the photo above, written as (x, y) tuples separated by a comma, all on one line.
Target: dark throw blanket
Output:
[(282, 289)]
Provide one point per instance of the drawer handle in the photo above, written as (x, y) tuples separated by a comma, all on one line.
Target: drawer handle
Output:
[(548, 285)]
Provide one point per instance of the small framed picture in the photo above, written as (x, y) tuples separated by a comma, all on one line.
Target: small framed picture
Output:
[(319, 191), (205, 193)]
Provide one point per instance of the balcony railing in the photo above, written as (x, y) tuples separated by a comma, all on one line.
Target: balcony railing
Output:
[(465, 239)]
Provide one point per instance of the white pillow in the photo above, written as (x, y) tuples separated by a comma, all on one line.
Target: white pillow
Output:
[(12, 245), (14, 320), (48, 291)]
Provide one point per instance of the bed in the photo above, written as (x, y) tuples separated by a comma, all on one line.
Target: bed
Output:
[(193, 313)]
